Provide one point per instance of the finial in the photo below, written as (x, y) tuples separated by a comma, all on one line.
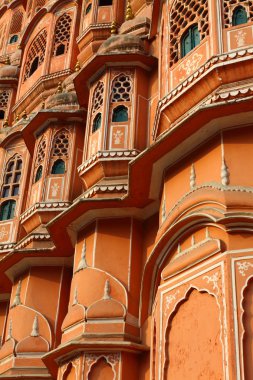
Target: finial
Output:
[(5, 123), (17, 300), (19, 46), (9, 336), (7, 61), (107, 290), (82, 263), (35, 328), (179, 248), (193, 240), (17, 117), (224, 173), (207, 233), (192, 177), (77, 66), (129, 12), (75, 299), (43, 105), (114, 28), (59, 88), (164, 210), (24, 115)]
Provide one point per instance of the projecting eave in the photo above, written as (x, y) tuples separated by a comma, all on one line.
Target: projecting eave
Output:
[(97, 64), (43, 118), (72, 348)]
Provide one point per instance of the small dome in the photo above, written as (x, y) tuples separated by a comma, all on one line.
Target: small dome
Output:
[(16, 57), (137, 26), (122, 44), (62, 99), (9, 72), (76, 314), (106, 308), (32, 344)]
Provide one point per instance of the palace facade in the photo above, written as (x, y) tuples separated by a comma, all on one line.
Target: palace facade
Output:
[(126, 191)]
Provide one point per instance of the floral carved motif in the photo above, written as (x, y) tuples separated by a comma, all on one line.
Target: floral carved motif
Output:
[(213, 279), (244, 267)]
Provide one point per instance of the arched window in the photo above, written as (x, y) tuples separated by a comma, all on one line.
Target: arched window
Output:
[(190, 40), (58, 167), (105, 2), (61, 144), (62, 35), (4, 101), (121, 89), (98, 97), (38, 173), (97, 122), (120, 114), (184, 13), (12, 177), (88, 8), (14, 39), (36, 54), (40, 156), (34, 66), (239, 16), (7, 210)]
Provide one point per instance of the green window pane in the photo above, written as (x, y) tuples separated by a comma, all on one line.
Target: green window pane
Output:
[(120, 114), (239, 16), (58, 167)]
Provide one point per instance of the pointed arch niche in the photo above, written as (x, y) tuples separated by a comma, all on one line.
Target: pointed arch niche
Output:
[(101, 370), (192, 339), (70, 373)]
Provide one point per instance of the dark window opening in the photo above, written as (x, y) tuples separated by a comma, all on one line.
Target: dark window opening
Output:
[(38, 174), (97, 122), (14, 39), (190, 39), (7, 210), (120, 114), (239, 16), (104, 2), (88, 9), (2, 114), (58, 167), (60, 49), (34, 66)]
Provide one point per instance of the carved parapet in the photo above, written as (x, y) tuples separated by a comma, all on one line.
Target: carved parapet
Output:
[(106, 164), (41, 213)]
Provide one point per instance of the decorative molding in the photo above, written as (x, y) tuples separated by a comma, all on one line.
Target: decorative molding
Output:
[(212, 62), (212, 186), (105, 189), (108, 155), (35, 328), (243, 266), (44, 206), (32, 237), (17, 300)]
